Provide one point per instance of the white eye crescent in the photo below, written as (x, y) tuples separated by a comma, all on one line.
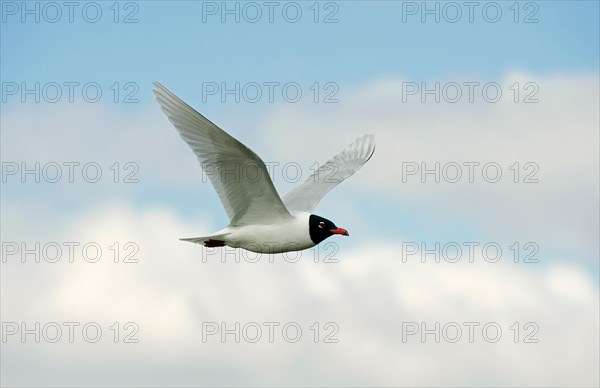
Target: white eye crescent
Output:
[(321, 224)]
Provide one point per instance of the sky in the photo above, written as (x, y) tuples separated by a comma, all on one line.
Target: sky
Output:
[(473, 255)]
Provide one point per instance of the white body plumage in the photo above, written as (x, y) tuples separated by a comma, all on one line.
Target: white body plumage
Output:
[(290, 235)]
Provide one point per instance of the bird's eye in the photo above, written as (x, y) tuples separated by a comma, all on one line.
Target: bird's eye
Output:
[(321, 224)]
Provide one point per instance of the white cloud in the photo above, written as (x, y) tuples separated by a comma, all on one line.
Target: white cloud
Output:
[(559, 134), (369, 293)]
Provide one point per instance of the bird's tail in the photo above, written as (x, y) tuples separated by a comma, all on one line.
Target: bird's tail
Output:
[(212, 241)]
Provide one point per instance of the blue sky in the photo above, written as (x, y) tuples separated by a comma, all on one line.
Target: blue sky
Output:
[(368, 40), (171, 43), (369, 54)]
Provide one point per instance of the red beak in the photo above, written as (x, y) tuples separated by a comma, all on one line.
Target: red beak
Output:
[(341, 231)]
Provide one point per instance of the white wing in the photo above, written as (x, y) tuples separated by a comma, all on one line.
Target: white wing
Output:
[(238, 174), (306, 196)]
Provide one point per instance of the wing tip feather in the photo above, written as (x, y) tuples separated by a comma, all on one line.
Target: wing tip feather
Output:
[(370, 146)]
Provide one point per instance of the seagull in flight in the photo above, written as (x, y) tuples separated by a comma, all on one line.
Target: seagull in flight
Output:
[(259, 220)]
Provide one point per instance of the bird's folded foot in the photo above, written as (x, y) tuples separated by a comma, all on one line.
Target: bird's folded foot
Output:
[(214, 243)]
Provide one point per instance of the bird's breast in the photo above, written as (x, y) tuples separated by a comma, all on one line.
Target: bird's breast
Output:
[(292, 235)]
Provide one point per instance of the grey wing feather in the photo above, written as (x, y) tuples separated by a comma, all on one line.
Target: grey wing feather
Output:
[(226, 161), (306, 196)]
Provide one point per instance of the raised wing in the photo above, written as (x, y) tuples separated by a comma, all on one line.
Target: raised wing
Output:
[(306, 196), (238, 174)]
